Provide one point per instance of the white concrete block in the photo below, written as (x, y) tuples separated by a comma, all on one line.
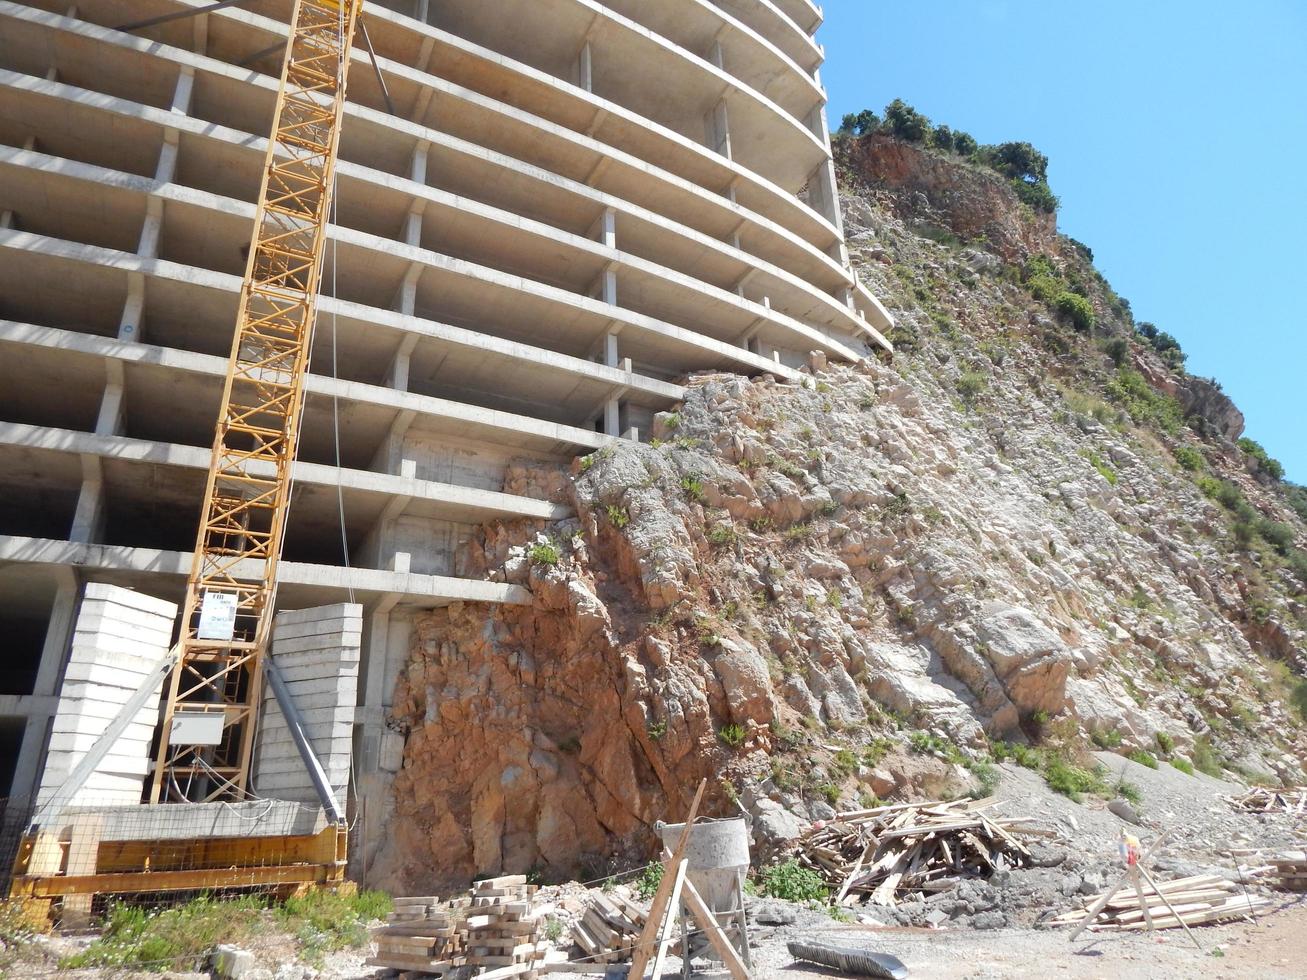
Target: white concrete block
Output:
[(119, 636), (339, 627), (315, 646), (340, 610), (129, 599)]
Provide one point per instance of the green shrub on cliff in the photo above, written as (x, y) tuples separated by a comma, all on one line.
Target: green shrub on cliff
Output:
[(1077, 309), (1265, 462), (1145, 405)]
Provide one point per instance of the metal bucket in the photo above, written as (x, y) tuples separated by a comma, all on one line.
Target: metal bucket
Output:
[(718, 855)]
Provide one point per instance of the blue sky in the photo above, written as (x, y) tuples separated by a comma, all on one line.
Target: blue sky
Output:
[(1177, 135)]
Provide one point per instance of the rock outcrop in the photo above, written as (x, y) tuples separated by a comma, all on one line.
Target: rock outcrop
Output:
[(972, 543)]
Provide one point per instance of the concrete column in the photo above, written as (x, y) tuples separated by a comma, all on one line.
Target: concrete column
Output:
[(130, 326), (583, 70), (109, 421), (28, 765), (317, 651), (57, 633), (717, 126), (608, 228), (717, 55), (166, 169), (607, 286), (418, 167), (88, 518), (378, 751), (119, 638), (397, 375)]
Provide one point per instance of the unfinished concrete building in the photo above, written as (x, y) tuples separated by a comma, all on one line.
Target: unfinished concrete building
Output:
[(553, 213)]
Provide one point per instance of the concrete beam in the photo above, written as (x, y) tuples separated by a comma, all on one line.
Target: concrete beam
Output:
[(423, 590)]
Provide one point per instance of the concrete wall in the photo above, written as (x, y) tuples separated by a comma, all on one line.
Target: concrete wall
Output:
[(317, 653), (120, 637)]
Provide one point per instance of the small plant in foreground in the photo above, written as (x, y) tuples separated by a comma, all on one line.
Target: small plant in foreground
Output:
[(1184, 765), (793, 883), (648, 880), (617, 516)]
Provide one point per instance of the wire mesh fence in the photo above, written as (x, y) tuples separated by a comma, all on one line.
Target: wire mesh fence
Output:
[(70, 861), (15, 812)]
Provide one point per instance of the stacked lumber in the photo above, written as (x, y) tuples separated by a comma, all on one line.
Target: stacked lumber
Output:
[(609, 928), (504, 933), (422, 934), (1262, 799), (1193, 901), (491, 933), (889, 853), (1289, 869)]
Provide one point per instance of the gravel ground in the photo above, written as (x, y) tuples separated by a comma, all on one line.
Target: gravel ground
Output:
[(1272, 948), (988, 930)]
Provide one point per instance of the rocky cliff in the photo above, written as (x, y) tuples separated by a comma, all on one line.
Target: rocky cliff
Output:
[(1014, 531)]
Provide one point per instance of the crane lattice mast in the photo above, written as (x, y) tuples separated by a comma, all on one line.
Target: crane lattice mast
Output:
[(231, 591)]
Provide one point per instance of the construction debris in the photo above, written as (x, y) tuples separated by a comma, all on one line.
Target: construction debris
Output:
[(494, 929), (889, 853), (608, 929), (1262, 799), (1185, 901)]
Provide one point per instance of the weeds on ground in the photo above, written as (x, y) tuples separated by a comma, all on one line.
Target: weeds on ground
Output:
[(1143, 757), (793, 882), (1075, 781), (15, 933), (1128, 791), (1205, 759), (326, 921), (1107, 740), (178, 938)]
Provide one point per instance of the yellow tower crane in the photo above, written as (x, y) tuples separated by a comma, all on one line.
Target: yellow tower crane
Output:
[(231, 591)]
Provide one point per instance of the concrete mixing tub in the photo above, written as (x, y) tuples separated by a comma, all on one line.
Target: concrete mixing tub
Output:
[(718, 855)]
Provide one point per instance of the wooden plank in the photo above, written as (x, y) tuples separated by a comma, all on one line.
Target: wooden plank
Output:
[(159, 881), (668, 932)]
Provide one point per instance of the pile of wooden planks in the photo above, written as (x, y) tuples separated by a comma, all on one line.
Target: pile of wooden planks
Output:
[(1185, 901), (889, 853), (1289, 869), (493, 929), (503, 930), (1286, 869), (608, 929), (422, 934), (1262, 799)]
